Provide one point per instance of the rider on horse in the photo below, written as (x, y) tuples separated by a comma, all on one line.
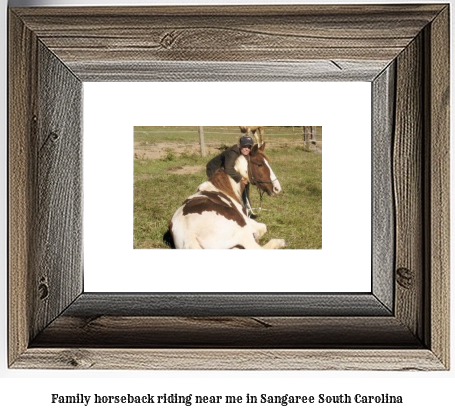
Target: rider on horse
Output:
[(226, 160)]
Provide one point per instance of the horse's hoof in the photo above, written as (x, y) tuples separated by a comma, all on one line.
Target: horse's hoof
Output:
[(278, 243), (282, 243)]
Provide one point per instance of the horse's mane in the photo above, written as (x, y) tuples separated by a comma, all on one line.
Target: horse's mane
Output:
[(221, 181)]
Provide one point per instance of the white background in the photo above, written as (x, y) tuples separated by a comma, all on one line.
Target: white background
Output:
[(27, 391), (112, 109)]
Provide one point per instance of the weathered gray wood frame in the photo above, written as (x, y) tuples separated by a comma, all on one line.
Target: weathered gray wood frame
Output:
[(403, 50)]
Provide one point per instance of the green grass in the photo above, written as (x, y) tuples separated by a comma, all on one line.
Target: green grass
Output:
[(294, 215)]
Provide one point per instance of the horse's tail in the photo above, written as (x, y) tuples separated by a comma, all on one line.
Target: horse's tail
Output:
[(168, 238)]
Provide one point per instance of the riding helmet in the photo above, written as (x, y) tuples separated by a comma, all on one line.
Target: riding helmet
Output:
[(246, 140)]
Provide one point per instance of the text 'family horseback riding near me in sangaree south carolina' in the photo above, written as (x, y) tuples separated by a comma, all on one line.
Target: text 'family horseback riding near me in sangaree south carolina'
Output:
[(248, 399)]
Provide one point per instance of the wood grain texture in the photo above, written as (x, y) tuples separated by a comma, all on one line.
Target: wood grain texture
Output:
[(45, 183), (438, 197), (226, 332), (383, 214), (309, 71), (89, 305), (227, 34), (21, 131), (58, 204), (408, 187), (402, 50), (236, 359)]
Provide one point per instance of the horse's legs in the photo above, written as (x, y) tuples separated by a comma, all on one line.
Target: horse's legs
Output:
[(259, 229), (275, 244), (261, 136), (250, 243)]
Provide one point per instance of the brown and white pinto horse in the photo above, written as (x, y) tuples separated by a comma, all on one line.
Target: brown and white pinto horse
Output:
[(215, 218)]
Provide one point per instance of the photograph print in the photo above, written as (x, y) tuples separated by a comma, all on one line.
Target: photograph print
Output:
[(223, 187)]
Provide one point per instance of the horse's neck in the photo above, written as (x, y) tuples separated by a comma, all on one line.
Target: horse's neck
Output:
[(237, 188), (226, 184), (222, 182), (241, 166)]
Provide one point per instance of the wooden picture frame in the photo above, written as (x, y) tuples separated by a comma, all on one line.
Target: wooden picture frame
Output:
[(403, 324)]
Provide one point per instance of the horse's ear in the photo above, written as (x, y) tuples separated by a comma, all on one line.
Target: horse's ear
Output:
[(262, 147), (254, 149)]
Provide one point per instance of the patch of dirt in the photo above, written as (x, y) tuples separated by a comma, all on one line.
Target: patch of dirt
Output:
[(161, 150), (186, 169)]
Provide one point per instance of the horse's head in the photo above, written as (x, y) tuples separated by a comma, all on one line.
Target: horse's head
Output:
[(260, 172)]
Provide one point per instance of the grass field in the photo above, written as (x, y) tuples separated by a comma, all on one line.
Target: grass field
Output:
[(168, 168)]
